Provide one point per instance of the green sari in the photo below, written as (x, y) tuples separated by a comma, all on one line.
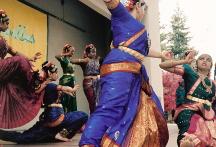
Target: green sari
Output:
[(68, 79), (194, 107)]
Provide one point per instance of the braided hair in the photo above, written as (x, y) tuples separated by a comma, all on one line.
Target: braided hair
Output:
[(46, 67), (88, 49)]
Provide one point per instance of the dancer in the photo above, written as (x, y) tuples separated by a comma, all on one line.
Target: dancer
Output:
[(18, 103), (126, 107), (53, 124), (90, 65), (194, 115), (68, 79)]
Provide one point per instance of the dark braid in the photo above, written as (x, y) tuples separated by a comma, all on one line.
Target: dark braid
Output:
[(49, 67), (46, 67), (89, 47)]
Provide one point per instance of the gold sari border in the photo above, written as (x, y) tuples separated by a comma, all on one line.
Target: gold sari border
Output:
[(108, 142), (132, 52), (133, 67), (134, 37)]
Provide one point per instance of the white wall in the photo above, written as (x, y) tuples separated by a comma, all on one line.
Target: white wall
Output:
[(152, 65)]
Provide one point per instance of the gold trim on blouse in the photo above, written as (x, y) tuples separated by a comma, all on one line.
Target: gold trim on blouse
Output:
[(133, 67)]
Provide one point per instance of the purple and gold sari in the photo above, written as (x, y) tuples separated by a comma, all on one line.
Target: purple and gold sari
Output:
[(128, 114)]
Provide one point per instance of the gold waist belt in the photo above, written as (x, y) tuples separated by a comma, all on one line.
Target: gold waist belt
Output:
[(195, 99), (55, 105), (68, 74), (133, 67)]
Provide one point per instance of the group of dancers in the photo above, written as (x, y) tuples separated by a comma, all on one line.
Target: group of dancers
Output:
[(128, 111)]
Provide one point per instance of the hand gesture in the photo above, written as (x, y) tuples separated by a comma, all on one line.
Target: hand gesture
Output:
[(36, 56), (190, 57), (76, 87)]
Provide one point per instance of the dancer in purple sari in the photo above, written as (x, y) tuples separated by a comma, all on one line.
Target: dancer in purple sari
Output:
[(18, 102), (126, 114)]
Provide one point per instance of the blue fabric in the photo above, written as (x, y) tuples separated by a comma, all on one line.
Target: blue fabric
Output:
[(52, 113), (51, 94), (40, 133), (116, 99), (120, 91)]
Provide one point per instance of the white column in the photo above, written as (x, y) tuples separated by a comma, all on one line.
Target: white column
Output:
[(151, 22)]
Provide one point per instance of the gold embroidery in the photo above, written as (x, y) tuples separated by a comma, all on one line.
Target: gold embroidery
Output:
[(112, 4), (133, 67), (107, 142), (132, 52), (144, 131), (190, 140)]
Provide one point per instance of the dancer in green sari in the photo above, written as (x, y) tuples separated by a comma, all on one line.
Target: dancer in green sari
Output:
[(68, 79), (194, 113)]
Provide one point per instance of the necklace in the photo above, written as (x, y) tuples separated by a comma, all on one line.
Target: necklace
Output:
[(207, 87)]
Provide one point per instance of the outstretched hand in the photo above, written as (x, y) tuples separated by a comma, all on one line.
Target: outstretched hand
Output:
[(190, 57), (76, 87), (36, 56)]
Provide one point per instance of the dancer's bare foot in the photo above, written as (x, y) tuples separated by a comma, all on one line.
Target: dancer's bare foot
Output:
[(61, 138)]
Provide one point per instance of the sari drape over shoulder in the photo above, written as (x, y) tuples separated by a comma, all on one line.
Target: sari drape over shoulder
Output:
[(123, 101)]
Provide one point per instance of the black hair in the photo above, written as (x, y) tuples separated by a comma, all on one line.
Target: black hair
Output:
[(49, 67)]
